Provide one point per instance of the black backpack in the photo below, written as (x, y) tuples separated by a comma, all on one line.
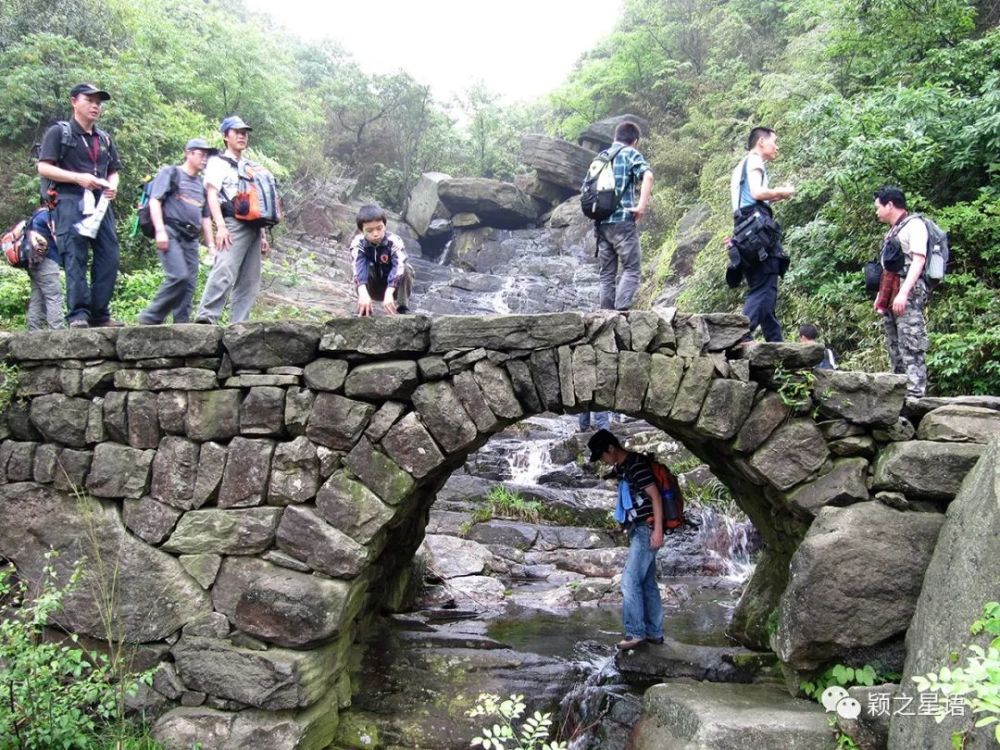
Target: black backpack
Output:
[(599, 197), (144, 221), (47, 188)]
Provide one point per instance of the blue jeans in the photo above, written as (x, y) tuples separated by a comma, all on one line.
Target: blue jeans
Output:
[(642, 610), (601, 418)]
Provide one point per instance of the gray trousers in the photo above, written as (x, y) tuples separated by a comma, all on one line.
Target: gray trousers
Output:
[(907, 342), (180, 277), (236, 270), (618, 244), (46, 306)]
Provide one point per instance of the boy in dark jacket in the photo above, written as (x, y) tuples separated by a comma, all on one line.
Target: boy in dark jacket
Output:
[(381, 270)]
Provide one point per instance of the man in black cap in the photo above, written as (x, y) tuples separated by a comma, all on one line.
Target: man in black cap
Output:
[(179, 212), (640, 511), (82, 162), (240, 244)]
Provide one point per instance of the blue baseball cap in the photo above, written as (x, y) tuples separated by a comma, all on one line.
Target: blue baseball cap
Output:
[(233, 122)]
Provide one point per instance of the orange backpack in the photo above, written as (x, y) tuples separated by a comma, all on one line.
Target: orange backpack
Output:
[(670, 491)]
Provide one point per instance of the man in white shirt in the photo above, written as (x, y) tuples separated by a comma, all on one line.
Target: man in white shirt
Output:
[(240, 245), (749, 191)]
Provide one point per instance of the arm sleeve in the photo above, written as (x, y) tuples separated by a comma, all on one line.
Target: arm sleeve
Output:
[(639, 167), (214, 172), (51, 145), (359, 262), (398, 258), (114, 161), (161, 184)]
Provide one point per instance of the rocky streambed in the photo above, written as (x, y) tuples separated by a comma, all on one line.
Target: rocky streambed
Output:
[(531, 605)]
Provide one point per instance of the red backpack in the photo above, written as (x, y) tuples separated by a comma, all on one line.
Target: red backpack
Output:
[(670, 491)]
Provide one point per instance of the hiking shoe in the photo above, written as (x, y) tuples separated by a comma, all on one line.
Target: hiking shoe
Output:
[(79, 323), (109, 323), (630, 643), (655, 641)]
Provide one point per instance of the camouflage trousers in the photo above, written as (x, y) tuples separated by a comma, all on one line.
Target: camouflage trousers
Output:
[(906, 340)]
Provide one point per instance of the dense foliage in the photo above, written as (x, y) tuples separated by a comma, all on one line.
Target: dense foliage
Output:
[(862, 93), (176, 67)]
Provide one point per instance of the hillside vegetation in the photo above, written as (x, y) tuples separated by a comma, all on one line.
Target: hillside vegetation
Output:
[(862, 93)]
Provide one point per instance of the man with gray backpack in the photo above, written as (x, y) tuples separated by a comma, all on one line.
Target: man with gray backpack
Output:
[(178, 211), (609, 198)]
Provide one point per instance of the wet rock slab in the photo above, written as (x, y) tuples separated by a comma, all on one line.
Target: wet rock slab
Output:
[(712, 716), (651, 663)]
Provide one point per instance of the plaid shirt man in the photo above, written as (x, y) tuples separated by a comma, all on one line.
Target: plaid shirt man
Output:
[(628, 161)]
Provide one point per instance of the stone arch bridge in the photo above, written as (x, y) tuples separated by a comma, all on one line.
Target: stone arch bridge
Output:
[(258, 491)]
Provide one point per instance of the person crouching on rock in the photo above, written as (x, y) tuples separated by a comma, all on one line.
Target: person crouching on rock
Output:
[(640, 511), (381, 270)]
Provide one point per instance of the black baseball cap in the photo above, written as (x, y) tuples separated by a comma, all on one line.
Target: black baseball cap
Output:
[(599, 442), (88, 89)]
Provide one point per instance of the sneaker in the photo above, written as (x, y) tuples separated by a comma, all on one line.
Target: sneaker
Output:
[(202, 320), (79, 323), (109, 323), (630, 643), (655, 641), (404, 310)]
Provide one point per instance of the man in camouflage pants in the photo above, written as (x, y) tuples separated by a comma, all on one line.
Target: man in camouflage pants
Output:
[(904, 254)]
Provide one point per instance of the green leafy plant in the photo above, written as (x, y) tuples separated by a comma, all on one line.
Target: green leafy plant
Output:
[(9, 379), (56, 695), (840, 674), (794, 386), (978, 681), (504, 734)]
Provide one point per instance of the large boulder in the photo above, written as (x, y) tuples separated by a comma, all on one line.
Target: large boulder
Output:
[(153, 595), (923, 468), (854, 582), (497, 204), (601, 134), (961, 577), (556, 161), (424, 205), (713, 716), (972, 424)]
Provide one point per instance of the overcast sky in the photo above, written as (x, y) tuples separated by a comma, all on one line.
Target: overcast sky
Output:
[(521, 49)]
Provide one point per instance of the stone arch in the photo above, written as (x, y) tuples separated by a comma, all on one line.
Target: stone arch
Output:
[(266, 484)]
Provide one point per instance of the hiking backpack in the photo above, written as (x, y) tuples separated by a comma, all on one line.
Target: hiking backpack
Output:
[(670, 492), (20, 253), (47, 188), (598, 197), (256, 200), (144, 221), (938, 252)]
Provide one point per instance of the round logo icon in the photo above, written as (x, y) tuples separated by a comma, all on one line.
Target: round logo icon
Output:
[(832, 696), (848, 708)]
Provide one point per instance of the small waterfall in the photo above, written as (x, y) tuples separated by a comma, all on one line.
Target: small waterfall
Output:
[(529, 462), (730, 541), (445, 255), (585, 713)]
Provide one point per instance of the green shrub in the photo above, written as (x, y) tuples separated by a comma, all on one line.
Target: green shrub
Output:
[(504, 735), (56, 695), (978, 682)]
